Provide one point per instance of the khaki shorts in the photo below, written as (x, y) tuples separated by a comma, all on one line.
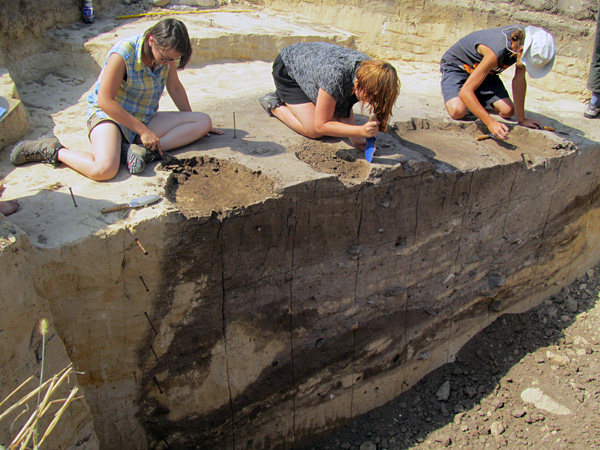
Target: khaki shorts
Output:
[(95, 120)]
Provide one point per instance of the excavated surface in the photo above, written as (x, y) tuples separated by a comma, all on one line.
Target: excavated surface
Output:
[(457, 144), (206, 186)]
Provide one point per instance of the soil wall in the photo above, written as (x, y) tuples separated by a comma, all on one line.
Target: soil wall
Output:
[(261, 327)]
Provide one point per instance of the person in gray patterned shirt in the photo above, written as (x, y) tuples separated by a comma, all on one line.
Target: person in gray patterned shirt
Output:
[(317, 85)]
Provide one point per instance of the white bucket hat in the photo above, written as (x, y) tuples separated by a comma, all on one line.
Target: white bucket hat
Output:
[(539, 52)]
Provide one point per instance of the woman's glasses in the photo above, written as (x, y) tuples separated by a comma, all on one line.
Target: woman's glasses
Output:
[(161, 56)]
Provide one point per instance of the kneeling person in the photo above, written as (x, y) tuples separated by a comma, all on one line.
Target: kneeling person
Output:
[(470, 69), (317, 85)]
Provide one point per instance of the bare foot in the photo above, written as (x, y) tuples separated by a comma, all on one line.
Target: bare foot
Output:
[(9, 207)]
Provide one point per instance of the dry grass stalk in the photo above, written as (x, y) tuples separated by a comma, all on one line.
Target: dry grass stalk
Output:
[(48, 389)]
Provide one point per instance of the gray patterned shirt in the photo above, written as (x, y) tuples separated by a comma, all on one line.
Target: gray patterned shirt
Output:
[(315, 65)]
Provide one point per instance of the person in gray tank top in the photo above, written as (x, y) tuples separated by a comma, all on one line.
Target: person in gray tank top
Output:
[(470, 70), (317, 85)]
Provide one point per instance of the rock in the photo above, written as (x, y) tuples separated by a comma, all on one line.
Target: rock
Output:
[(561, 360), (445, 409), (571, 305), (518, 412), (458, 417), (443, 393), (444, 439), (543, 401), (497, 428), (470, 391), (368, 446), (590, 273)]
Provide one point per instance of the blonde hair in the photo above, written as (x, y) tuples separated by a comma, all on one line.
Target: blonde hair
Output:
[(379, 83)]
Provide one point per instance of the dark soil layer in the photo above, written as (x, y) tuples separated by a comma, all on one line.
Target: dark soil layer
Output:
[(476, 402), (203, 186)]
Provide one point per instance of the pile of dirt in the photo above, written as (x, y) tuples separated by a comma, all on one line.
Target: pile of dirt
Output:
[(202, 187), (527, 381)]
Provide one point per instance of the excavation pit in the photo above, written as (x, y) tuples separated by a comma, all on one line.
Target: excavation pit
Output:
[(284, 285), (468, 145), (202, 187)]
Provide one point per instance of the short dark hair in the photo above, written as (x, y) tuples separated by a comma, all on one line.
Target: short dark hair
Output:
[(171, 34)]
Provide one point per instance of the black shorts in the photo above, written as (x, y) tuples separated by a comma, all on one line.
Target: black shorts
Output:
[(288, 90), (491, 90)]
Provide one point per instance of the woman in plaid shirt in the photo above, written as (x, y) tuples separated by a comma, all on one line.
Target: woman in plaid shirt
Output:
[(123, 117)]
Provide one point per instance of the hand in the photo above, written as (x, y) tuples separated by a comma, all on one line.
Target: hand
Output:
[(531, 123), (499, 130), (151, 141), (370, 129), (215, 131)]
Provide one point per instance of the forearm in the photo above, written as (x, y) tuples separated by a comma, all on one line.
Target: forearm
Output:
[(519, 88), (336, 128), (179, 97), (472, 103)]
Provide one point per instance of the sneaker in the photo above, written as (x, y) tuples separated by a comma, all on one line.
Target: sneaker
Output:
[(138, 156), (270, 101), (43, 150), (591, 111)]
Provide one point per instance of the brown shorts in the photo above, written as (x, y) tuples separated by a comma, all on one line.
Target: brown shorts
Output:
[(95, 120)]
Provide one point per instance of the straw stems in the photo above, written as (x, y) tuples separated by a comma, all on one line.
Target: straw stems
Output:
[(45, 392), (29, 430)]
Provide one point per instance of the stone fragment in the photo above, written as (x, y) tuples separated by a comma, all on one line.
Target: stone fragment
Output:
[(458, 417), (571, 305), (443, 393), (561, 360), (497, 428), (444, 439), (518, 412), (590, 273), (368, 446), (543, 401), (470, 391)]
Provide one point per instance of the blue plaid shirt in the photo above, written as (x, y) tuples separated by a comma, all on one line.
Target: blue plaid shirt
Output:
[(141, 88)]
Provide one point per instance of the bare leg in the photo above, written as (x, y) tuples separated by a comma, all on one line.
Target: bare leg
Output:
[(456, 108), (505, 108), (103, 163), (300, 118), (176, 129)]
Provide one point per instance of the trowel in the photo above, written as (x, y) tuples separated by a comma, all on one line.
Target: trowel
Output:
[(135, 203), (370, 148), (170, 160)]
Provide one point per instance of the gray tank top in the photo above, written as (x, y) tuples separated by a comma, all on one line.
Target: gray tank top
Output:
[(463, 55)]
